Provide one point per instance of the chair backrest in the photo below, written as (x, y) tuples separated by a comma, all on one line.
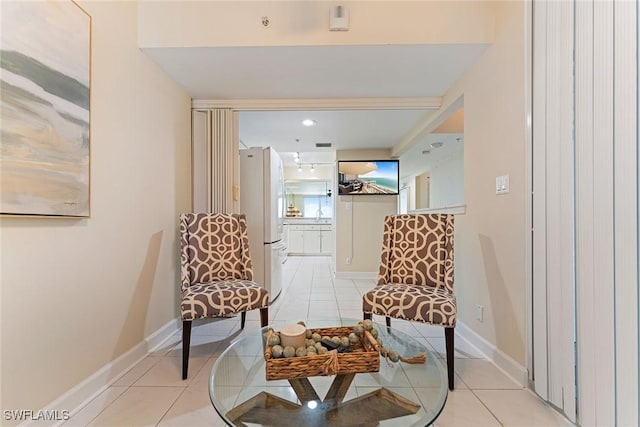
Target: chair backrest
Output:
[(213, 247), (418, 250)]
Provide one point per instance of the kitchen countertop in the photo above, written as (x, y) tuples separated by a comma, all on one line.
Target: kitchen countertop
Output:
[(308, 221)]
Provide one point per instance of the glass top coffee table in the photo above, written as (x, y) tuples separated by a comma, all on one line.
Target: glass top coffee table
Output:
[(400, 394)]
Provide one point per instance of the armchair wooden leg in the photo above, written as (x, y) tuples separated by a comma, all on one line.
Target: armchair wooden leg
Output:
[(186, 343), (264, 316), (366, 316), (243, 318), (448, 336), (388, 320)]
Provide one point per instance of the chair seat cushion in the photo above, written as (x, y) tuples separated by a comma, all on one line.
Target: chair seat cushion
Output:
[(221, 298), (436, 306)]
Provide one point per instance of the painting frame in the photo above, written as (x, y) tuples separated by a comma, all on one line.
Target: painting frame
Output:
[(45, 110)]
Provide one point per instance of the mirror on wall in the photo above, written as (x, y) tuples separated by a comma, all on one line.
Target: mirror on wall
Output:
[(309, 199)]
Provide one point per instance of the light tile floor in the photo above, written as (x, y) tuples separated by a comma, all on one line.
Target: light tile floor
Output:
[(152, 392)]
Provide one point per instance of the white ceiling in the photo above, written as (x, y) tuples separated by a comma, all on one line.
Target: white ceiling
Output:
[(325, 72), (355, 129), (316, 71)]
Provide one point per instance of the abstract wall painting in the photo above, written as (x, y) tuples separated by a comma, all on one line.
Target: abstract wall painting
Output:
[(45, 59)]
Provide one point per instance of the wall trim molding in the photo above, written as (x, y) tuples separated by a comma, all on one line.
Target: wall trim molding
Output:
[(356, 275), (501, 360), (408, 103), (454, 209), (427, 125), (76, 398)]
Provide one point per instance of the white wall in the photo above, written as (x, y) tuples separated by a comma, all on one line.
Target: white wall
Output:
[(359, 222), (489, 238), (305, 23), (422, 186), (440, 185), (78, 293), (447, 184)]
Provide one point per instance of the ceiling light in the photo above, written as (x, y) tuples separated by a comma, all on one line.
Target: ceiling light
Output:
[(436, 144), (300, 168), (312, 168), (308, 122), (297, 155)]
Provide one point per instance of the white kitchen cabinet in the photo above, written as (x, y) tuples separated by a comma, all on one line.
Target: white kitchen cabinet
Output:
[(310, 239), (326, 241), (296, 240)]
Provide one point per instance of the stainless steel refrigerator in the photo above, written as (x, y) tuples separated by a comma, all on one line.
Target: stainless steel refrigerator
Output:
[(262, 201)]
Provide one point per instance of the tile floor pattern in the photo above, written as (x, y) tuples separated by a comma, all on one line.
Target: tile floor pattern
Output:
[(152, 392)]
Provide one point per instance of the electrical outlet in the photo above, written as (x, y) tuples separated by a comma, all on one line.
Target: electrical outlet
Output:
[(348, 261), (479, 313)]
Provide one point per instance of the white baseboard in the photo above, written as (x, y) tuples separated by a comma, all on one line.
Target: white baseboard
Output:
[(356, 275), (159, 337), (78, 397), (506, 364)]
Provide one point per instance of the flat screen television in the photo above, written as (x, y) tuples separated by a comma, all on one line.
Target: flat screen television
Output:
[(368, 177)]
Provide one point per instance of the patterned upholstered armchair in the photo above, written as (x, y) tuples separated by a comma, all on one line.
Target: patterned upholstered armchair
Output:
[(216, 275), (416, 275)]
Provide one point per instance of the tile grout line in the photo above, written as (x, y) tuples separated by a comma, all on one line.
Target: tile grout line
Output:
[(484, 404), (310, 273), (171, 406)]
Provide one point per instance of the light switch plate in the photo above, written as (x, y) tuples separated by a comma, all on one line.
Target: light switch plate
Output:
[(502, 184)]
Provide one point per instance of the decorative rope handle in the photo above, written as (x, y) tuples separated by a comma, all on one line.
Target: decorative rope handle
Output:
[(372, 340), (419, 359), (267, 351), (331, 365)]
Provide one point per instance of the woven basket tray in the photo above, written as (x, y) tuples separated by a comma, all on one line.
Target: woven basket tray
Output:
[(361, 359)]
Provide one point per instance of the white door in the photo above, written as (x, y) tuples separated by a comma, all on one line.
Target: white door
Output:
[(403, 201), (274, 254), (554, 314), (273, 196)]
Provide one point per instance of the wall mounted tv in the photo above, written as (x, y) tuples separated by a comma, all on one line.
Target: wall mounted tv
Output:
[(368, 177)]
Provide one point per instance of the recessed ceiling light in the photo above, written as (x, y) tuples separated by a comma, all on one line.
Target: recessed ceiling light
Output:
[(308, 122), (436, 144)]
